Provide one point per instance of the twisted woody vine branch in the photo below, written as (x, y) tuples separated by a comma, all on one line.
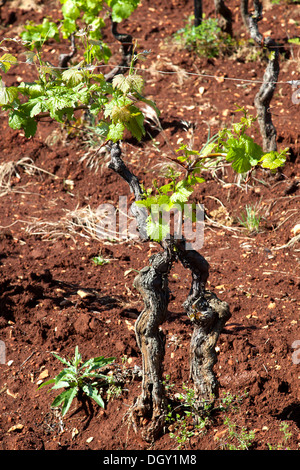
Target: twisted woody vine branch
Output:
[(204, 309), (265, 94), (127, 49), (225, 20)]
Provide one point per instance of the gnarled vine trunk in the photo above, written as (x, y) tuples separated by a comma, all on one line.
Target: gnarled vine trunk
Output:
[(198, 13), (64, 59), (209, 315), (205, 310), (226, 16), (126, 52), (152, 283), (265, 94)]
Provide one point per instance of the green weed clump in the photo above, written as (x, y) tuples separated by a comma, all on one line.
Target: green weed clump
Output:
[(206, 40), (79, 378), (185, 419)]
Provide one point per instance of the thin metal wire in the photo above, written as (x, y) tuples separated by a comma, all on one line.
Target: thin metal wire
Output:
[(169, 72)]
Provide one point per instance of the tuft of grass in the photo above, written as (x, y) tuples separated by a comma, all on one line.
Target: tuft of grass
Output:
[(250, 219)]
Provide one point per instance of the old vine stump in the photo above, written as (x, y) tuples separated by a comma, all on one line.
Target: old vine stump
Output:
[(152, 282), (209, 315)]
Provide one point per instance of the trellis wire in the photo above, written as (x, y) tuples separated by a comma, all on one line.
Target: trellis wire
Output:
[(169, 72)]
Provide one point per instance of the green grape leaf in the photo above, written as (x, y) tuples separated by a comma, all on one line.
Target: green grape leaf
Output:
[(61, 100), (70, 10), (164, 202), (166, 188), (193, 179), (273, 160), (147, 202), (6, 61), (181, 194), (115, 132), (68, 27), (122, 9), (116, 102), (73, 76), (120, 114), (37, 34), (30, 127), (136, 124), (7, 94), (38, 106), (96, 23), (31, 89), (243, 152), (101, 52), (18, 120), (157, 231), (128, 84), (102, 129)]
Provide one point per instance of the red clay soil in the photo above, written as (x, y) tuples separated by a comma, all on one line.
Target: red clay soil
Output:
[(53, 297)]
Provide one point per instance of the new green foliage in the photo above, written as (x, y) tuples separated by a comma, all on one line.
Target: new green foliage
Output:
[(233, 145), (250, 219), (51, 93), (243, 152), (59, 93), (82, 18), (122, 9), (6, 61), (116, 105), (36, 34)]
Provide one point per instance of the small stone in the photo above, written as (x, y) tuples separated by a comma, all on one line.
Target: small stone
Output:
[(219, 434), (11, 394), (16, 427), (43, 375), (83, 294), (295, 230)]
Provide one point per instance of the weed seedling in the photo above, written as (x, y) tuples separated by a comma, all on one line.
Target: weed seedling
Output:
[(284, 428), (100, 261), (77, 378), (184, 420), (238, 437), (250, 219)]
